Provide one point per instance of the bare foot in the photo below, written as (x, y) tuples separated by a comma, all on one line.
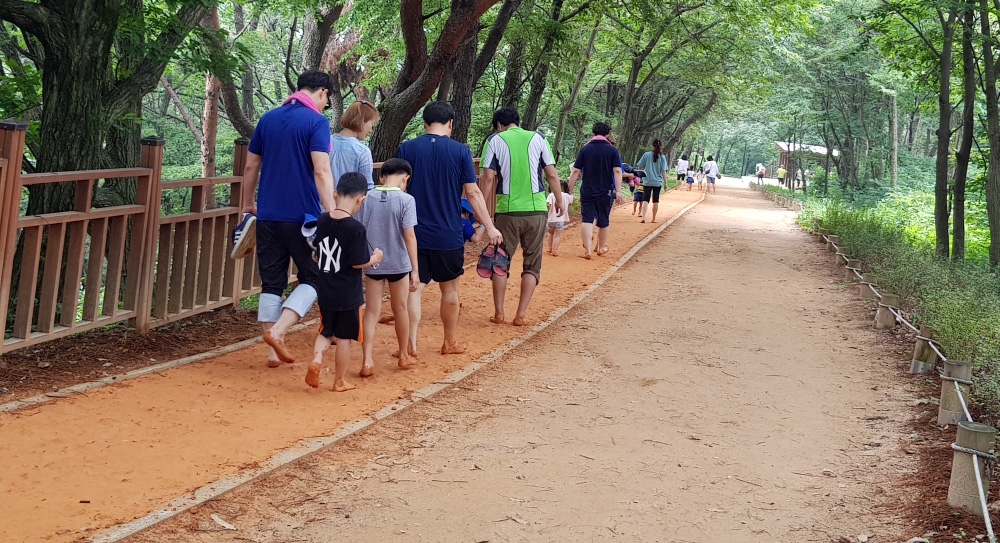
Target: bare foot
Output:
[(312, 375), (454, 348), (603, 250), (654, 220), (519, 321), (395, 354), (555, 254), (386, 319), (588, 256), (367, 371), (498, 319), (279, 347), (407, 363), (642, 221), (343, 386), (272, 363)]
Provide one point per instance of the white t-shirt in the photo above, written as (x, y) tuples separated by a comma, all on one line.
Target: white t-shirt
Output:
[(682, 166), (567, 200), (712, 168)]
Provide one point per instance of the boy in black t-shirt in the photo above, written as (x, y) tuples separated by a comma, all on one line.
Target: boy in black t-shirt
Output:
[(341, 245)]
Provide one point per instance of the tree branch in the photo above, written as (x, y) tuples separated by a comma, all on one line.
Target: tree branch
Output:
[(495, 36), (575, 12), (182, 109), (29, 17), (146, 76)]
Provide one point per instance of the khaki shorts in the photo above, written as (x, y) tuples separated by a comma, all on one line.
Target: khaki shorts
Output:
[(528, 232)]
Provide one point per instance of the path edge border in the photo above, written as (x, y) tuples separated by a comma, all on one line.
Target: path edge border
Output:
[(306, 448)]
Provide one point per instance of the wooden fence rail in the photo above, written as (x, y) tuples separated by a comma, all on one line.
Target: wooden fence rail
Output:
[(90, 267)]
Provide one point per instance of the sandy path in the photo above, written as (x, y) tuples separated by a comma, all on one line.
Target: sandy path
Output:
[(720, 387), (114, 454)]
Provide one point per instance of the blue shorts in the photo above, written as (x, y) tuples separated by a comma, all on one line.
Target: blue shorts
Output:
[(597, 209), (690, 180)]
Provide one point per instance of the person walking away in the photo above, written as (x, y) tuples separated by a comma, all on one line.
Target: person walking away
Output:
[(654, 163), (341, 246), (760, 173), (599, 166), (348, 153), (798, 178), (514, 162), (389, 217), (781, 175), (711, 173), (288, 159), (556, 222), (681, 168), (442, 174)]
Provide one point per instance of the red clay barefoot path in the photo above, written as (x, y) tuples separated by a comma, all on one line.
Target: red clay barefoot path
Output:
[(111, 455)]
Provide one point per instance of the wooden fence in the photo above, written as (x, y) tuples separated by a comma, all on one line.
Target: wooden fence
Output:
[(126, 262)]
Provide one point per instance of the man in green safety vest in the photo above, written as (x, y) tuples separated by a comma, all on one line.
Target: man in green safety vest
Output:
[(514, 161)]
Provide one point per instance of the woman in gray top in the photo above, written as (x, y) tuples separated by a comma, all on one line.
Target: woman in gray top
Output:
[(654, 163), (347, 153)]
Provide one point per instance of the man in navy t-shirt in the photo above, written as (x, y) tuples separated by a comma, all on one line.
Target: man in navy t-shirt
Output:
[(442, 174), (290, 151), (600, 166)]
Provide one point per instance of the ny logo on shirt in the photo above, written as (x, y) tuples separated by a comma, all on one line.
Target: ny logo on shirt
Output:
[(329, 255)]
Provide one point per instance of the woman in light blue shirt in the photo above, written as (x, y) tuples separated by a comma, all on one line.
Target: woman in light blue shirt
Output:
[(347, 153), (654, 163)]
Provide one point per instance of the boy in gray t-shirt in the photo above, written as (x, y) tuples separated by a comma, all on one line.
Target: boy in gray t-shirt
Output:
[(389, 215)]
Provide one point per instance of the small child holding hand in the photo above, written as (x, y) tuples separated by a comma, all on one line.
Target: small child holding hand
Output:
[(471, 231), (557, 223), (342, 246)]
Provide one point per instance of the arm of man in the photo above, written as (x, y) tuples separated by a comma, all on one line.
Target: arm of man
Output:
[(556, 187), (324, 179), (475, 197), (251, 176), (618, 185), (574, 175), (410, 239)]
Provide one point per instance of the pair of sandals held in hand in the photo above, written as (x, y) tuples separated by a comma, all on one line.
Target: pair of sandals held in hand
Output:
[(494, 259)]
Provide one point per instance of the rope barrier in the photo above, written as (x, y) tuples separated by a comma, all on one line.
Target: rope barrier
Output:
[(988, 457)]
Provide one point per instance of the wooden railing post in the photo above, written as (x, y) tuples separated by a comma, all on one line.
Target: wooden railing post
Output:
[(142, 258), (236, 269), (11, 148)]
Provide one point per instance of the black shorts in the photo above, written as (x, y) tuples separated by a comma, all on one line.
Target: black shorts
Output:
[(440, 266), (340, 324), (653, 193), (595, 209), (276, 243), (390, 277), (760, 176)]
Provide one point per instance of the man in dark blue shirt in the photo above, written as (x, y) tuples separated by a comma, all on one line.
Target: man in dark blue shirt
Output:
[(443, 174), (290, 152), (600, 166)]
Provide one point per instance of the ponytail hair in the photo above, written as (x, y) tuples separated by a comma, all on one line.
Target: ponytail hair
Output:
[(657, 149)]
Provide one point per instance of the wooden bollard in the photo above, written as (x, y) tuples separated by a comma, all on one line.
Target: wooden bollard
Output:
[(950, 408), (924, 356), (832, 240), (864, 289), (816, 224), (849, 275), (820, 233), (963, 492), (884, 318), (840, 258)]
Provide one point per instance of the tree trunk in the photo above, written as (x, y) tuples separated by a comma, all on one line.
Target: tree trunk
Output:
[(942, 242), (964, 152), (894, 143), (530, 118), (574, 93), (247, 84), (421, 73), (464, 85), (993, 132), (512, 81)]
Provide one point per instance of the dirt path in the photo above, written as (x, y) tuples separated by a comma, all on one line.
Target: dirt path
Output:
[(93, 460), (720, 387)]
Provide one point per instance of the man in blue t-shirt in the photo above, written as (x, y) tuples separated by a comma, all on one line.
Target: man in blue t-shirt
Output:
[(290, 152), (600, 166), (442, 174)]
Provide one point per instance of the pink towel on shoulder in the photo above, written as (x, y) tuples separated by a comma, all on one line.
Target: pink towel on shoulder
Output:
[(301, 98)]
